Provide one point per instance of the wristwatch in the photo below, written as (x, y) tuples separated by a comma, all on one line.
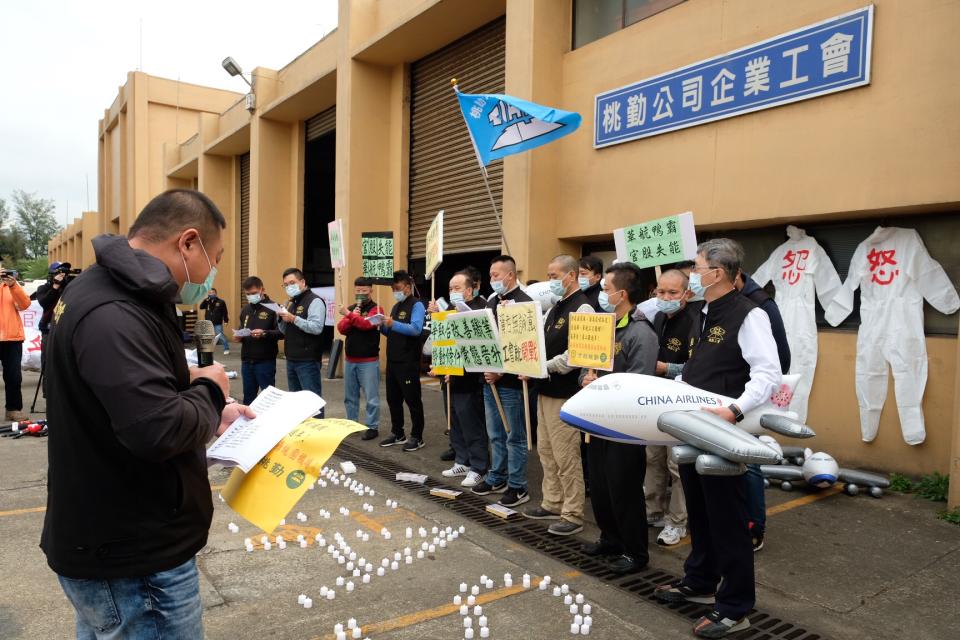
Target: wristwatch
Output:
[(737, 414)]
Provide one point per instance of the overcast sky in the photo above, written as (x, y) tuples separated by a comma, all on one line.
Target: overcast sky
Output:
[(65, 59)]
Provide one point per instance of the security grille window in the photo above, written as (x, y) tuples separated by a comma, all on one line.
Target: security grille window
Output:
[(244, 162), (444, 173), (594, 19)]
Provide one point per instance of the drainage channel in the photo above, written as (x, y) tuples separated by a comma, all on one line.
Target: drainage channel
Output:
[(763, 625)]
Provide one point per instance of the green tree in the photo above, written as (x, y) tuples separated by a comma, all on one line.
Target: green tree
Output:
[(12, 247), (35, 221)]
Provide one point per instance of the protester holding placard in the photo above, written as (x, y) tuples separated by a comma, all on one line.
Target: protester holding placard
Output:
[(508, 442), (403, 328), (468, 433), (591, 279), (558, 444), (618, 468), (361, 368)]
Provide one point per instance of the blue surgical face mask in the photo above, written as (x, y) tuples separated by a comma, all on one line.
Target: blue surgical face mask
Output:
[(254, 298), (557, 288), (696, 285), (668, 307), (399, 296), (584, 282), (191, 293), (498, 286), (456, 298), (293, 290), (604, 301)]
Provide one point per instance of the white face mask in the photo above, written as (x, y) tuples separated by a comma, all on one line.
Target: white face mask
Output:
[(293, 290)]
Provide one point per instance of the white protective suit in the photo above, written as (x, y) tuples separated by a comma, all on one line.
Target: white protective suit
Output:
[(895, 273), (799, 268)]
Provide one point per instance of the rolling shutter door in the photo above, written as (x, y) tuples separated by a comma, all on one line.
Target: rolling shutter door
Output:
[(444, 173), (322, 123), (244, 219)]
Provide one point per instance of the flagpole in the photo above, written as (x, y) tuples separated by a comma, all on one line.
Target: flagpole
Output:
[(486, 182)]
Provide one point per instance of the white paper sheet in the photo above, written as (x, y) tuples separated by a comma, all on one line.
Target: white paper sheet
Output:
[(278, 412)]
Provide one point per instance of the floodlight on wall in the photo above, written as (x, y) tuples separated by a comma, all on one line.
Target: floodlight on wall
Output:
[(231, 67)]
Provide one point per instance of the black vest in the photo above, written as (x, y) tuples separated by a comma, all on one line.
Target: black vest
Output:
[(257, 316), (363, 344), (298, 344), (556, 330), (401, 348), (673, 334), (716, 363)]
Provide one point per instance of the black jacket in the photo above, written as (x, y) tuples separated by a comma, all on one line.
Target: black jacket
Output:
[(257, 316), (215, 310), (47, 297), (127, 491)]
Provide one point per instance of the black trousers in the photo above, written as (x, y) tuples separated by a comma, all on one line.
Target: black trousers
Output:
[(616, 493), (468, 431), (403, 385), (11, 354), (721, 549)]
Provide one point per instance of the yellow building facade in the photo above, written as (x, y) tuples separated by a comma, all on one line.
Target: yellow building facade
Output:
[(363, 127)]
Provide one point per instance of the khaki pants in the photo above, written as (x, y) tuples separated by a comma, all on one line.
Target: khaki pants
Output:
[(558, 446), (674, 507)]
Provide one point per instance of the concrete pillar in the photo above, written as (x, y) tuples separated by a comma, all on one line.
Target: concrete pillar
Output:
[(276, 229), (537, 37), (217, 179)]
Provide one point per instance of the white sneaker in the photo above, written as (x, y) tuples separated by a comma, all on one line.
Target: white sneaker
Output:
[(671, 535), (227, 352), (455, 471), (473, 479)]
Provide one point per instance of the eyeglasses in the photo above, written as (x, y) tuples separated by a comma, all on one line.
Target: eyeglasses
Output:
[(703, 268)]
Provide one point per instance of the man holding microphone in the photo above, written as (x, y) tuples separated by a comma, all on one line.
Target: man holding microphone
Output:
[(128, 498)]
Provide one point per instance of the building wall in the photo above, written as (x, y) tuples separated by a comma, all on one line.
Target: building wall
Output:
[(888, 147)]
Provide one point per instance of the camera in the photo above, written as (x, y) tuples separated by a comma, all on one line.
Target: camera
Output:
[(10, 273)]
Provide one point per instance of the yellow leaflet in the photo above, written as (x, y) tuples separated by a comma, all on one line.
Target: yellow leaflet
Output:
[(272, 488)]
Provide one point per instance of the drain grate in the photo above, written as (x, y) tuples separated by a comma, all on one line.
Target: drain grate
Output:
[(763, 626)]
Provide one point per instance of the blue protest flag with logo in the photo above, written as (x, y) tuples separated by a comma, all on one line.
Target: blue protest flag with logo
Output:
[(502, 125)]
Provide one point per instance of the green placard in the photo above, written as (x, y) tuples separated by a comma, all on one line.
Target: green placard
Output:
[(660, 241), (376, 252)]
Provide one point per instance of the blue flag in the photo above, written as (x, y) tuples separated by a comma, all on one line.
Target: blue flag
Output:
[(502, 125)]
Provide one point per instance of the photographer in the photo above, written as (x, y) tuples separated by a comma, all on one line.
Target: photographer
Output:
[(13, 300), (49, 294)]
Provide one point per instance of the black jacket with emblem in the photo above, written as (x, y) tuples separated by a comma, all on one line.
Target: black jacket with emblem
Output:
[(674, 333), (127, 487), (257, 316), (556, 331), (716, 363)]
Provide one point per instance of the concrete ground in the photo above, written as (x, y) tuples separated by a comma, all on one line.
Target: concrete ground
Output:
[(835, 566)]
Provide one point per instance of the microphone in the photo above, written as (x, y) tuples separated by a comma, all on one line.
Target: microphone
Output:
[(205, 338)]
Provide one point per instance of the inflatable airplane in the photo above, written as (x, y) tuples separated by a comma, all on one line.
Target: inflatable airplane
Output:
[(819, 471), (640, 409)]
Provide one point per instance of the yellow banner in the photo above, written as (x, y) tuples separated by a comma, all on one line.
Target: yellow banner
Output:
[(521, 339), (590, 342), (272, 488), (445, 355)]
